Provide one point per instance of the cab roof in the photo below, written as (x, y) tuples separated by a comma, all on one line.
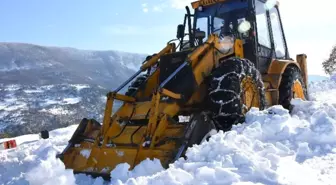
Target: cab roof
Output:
[(196, 4)]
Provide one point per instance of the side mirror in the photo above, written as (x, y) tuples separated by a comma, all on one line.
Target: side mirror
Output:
[(180, 31)]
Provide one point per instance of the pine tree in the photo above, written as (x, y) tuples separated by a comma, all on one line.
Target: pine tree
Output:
[(329, 65)]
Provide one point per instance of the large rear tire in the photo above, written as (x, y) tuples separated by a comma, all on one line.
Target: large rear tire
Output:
[(291, 86), (235, 87)]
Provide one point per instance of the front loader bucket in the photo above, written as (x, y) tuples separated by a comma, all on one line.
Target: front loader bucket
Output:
[(85, 153)]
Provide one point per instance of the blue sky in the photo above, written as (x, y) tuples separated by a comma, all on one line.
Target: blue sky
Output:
[(128, 25), (144, 26)]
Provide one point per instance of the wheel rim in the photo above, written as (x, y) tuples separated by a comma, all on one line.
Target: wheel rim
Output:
[(297, 90), (249, 95)]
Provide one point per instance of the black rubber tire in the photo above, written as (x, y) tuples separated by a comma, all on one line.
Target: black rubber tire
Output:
[(291, 74), (44, 134), (225, 85), (135, 85)]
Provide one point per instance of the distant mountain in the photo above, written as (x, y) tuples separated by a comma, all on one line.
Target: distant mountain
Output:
[(51, 87), (316, 78), (38, 65)]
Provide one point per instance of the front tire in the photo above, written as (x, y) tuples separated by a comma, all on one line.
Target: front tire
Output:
[(235, 87), (291, 86)]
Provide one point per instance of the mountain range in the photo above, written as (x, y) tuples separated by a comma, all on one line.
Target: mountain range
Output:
[(51, 87)]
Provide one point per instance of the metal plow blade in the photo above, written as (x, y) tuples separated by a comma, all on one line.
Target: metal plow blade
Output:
[(86, 154)]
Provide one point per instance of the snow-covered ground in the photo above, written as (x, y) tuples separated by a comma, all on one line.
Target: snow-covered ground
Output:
[(272, 147)]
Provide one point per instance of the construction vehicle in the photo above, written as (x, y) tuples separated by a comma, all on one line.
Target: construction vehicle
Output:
[(229, 56)]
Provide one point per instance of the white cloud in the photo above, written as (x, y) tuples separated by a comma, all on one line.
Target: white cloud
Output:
[(144, 7), (145, 10), (157, 8), (180, 4)]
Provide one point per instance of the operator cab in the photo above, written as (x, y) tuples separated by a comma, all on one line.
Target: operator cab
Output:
[(256, 22), (221, 18)]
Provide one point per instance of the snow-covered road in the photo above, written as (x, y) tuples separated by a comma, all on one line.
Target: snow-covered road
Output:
[(272, 147)]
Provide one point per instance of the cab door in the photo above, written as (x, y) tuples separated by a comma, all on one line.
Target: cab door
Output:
[(278, 36), (263, 33)]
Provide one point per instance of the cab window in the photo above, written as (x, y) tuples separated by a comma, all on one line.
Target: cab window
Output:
[(263, 33)]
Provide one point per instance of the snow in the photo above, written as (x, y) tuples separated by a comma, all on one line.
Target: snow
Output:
[(64, 101), (146, 167), (333, 77), (11, 103), (324, 91), (12, 87), (85, 153), (50, 102), (271, 147), (13, 107), (72, 100), (30, 91), (57, 111), (80, 86)]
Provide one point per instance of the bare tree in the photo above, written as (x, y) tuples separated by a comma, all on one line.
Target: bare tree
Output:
[(329, 65)]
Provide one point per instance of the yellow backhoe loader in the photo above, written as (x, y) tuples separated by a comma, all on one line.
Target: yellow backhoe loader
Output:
[(229, 56)]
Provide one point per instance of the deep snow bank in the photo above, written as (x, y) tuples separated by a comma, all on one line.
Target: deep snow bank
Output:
[(272, 147), (257, 151), (324, 91)]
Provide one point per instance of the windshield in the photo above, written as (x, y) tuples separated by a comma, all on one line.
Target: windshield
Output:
[(218, 23), (220, 18), (202, 24)]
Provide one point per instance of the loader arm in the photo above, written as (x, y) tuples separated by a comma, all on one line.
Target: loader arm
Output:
[(143, 129)]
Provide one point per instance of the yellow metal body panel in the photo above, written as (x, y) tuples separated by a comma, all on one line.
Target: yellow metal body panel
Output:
[(199, 3), (88, 157), (250, 96), (117, 141), (275, 71), (239, 50), (298, 90), (302, 61), (196, 4), (171, 94)]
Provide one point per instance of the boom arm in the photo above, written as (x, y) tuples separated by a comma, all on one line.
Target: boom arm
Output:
[(156, 135)]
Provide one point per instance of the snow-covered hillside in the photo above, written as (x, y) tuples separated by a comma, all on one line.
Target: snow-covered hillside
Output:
[(27, 109), (272, 147), (51, 87), (28, 64)]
